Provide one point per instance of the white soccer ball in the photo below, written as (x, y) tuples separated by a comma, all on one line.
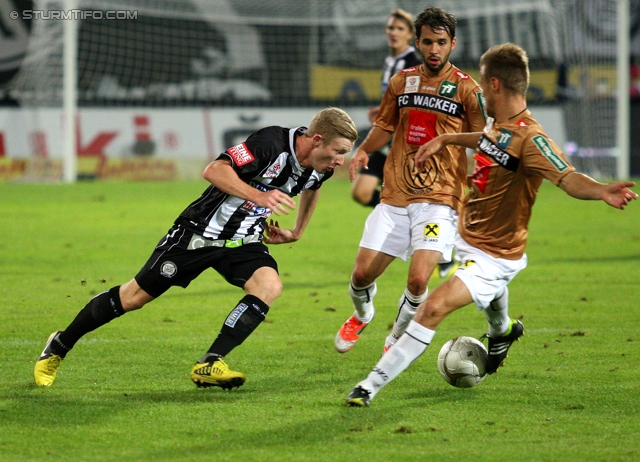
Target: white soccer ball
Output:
[(462, 362)]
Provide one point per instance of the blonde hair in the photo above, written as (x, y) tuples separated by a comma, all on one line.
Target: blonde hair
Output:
[(405, 17), (508, 63), (333, 123)]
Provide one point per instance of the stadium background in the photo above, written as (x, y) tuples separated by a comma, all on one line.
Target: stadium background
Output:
[(162, 93)]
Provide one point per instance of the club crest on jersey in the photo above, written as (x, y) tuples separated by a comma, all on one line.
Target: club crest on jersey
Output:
[(412, 84), (431, 232), (240, 154), (273, 171), (448, 89)]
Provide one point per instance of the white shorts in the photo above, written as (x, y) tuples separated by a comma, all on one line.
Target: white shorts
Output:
[(399, 231), (485, 276)]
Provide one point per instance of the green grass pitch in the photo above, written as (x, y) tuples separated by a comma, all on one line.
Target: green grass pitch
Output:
[(570, 390)]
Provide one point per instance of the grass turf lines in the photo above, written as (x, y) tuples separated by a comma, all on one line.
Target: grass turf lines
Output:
[(568, 391)]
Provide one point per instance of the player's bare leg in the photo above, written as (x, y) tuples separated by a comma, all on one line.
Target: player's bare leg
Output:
[(364, 188)]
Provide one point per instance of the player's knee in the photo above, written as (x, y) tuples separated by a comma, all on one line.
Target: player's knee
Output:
[(417, 284), (361, 278), (132, 303), (361, 196), (274, 290), (430, 313), (132, 297), (264, 284)]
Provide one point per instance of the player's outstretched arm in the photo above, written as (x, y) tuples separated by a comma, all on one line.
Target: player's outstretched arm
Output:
[(616, 194), (435, 145), (274, 234)]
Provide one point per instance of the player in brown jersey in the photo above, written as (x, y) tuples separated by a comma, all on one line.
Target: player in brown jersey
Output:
[(400, 33), (418, 213), (513, 156)]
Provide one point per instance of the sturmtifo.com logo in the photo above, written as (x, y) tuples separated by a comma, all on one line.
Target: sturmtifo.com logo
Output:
[(57, 15)]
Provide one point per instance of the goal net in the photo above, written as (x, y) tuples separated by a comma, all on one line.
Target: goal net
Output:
[(227, 54)]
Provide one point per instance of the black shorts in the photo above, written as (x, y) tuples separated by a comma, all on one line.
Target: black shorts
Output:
[(376, 165), (173, 264)]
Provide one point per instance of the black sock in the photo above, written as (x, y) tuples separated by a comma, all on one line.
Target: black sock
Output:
[(99, 311), (375, 199), (242, 320)]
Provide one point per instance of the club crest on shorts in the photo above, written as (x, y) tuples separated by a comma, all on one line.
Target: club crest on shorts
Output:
[(168, 269), (431, 232)]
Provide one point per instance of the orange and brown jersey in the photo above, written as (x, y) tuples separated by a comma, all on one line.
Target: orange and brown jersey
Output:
[(417, 108), (511, 161)]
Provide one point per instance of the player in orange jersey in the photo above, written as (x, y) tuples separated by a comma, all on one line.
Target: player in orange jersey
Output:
[(417, 216), (513, 156)]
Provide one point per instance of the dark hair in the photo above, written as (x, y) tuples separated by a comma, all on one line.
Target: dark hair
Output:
[(435, 19), (509, 64), (405, 17)]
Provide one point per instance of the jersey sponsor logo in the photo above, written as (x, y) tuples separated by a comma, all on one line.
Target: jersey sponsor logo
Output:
[(545, 148), (522, 123), (168, 269), (481, 103), (411, 84), (504, 138), (431, 102), (422, 127), (480, 174), (235, 314), (431, 232), (461, 74), (252, 209), (503, 158), (448, 89), (408, 69), (261, 186), (240, 154)]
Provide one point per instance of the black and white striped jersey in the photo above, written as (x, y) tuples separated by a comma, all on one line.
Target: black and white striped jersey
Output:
[(395, 64), (266, 160)]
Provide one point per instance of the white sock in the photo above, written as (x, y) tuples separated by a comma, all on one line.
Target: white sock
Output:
[(362, 298), (409, 347), (407, 306), (497, 314)]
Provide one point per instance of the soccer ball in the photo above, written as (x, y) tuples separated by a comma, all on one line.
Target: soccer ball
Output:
[(462, 362)]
